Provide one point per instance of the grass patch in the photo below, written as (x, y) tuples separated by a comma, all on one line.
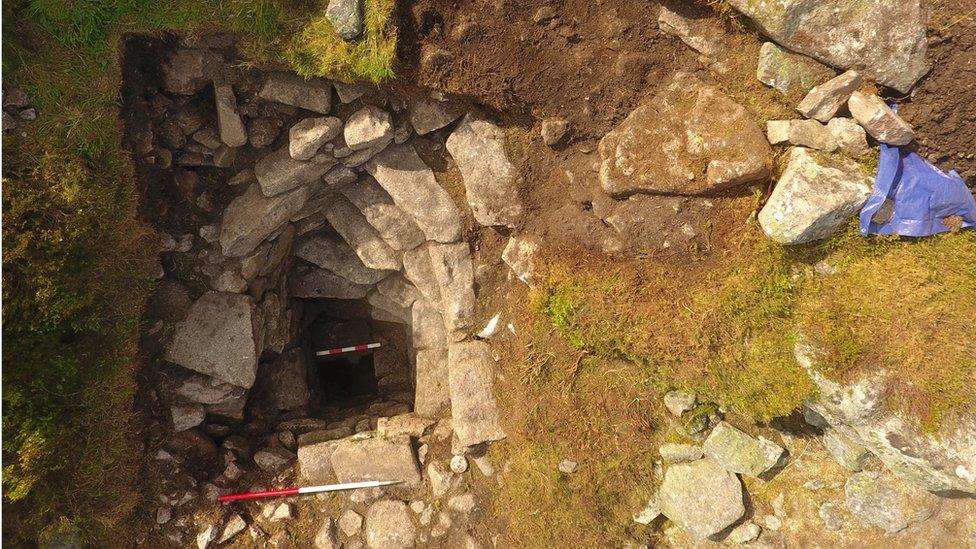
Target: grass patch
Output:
[(601, 341), (317, 50), (76, 262)]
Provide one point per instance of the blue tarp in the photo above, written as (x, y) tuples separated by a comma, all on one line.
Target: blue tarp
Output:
[(914, 197)]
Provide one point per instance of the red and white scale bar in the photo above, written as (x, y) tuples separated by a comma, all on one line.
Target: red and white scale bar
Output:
[(302, 490), (353, 349)]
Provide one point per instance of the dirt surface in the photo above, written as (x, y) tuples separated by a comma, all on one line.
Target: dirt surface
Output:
[(942, 108), (589, 62)]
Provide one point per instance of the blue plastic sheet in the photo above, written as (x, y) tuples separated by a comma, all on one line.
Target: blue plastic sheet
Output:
[(911, 197)]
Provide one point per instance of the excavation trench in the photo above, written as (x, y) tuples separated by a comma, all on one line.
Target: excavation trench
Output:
[(268, 260)]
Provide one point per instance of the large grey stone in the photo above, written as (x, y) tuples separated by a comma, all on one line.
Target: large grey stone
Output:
[(823, 101), (454, 272), (252, 217), (660, 147), (312, 282), (388, 310), (429, 113), (420, 271), (490, 179), (879, 120), (287, 381), (701, 497), (307, 136), (346, 17), (393, 224), (232, 131), (846, 452), (359, 459), (389, 525), (815, 196), (789, 72), (207, 390), (352, 226), (219, 337), (291, 89), (412, 184), (368, 128), (740, 452), (474, 411), (432, 397), (886, 503), (278, 172), (335, 255), (885, 38)]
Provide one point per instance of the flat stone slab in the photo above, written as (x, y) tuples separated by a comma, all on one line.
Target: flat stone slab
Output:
[(413, 187), (474, 412), (884, 37), (885, 502), (252, 217), (389, 525), (335, 255), (816, 194), (478, 147), (353, 227), (701, 497), (315, 462), (394, 225), (278, 172), (661, 147), (219, 338), (376, 458), (740, 452), (291, 89)]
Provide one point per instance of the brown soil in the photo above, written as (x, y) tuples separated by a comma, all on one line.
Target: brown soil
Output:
[(942, 109)]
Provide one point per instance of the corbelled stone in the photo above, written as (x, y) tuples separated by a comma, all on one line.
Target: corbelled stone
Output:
[(278, 172), (335, 255), (352, 226), (291, 89), (412, 184), (252, 217), (307, 136), (393, 224)]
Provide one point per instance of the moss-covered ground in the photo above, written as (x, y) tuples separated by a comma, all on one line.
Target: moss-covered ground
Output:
[(601, 341), (76, 261)]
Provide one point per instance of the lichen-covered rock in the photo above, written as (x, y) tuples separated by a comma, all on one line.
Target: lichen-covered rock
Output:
[(312, 282), (490, 183), (412, 184), (789, 72), (879, 120), (675, 453), (886, 38), (740, 452), (219, 338), (705, 35), (690, 139), (940, 461), (815, 196), (850, 136), (252, 217), (346, 17), (701, 497), (886, 503), (847, 452)]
